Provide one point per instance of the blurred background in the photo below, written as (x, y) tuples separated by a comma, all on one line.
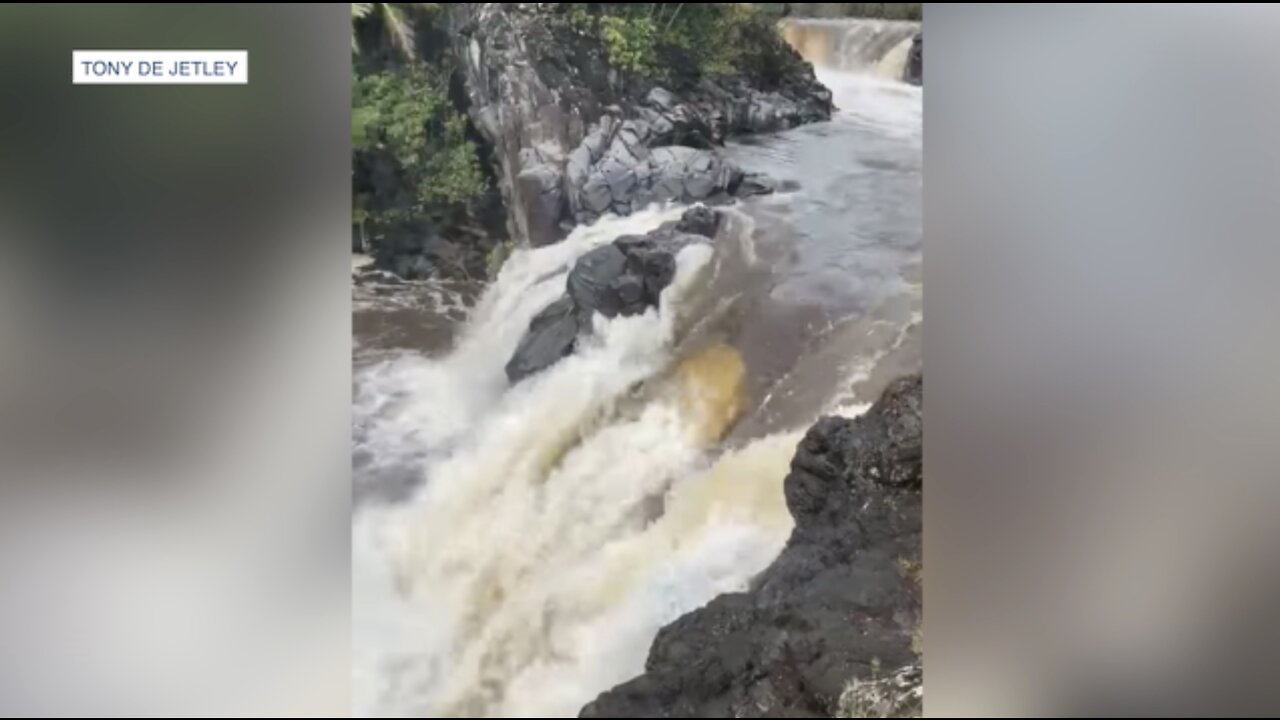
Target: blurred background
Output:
[(174, 367), (1102, 408)]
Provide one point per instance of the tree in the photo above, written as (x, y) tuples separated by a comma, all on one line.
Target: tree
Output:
[(396, 22)]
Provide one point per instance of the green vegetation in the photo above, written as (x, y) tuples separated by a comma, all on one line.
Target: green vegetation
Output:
[(413, 161), (403, 117), (887, 11), (393, 19), (673, 41), (911, 568), (497, 257)]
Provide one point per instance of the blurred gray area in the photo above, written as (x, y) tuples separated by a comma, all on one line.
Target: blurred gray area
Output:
[(1102, 412), (174, 367)]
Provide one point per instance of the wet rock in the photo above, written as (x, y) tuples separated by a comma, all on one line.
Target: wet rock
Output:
[(625, 277), (552, 336), (629, 176), (699, 221), (541, 190), (832, 621), (913, 73), (754, 184), (591, 282)]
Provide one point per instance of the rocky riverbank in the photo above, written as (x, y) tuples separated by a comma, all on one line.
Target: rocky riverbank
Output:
[(576, 137), (832, 628)]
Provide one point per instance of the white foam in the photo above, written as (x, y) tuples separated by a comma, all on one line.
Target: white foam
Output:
[(528, 574)]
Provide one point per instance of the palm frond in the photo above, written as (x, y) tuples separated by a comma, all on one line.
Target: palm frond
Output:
[(399, 28), (359, 11)]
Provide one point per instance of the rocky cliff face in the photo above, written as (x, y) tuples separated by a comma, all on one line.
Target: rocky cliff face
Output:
[(830, 628), (575, 138)]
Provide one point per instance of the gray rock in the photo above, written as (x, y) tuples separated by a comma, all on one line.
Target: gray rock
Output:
[(625, 277), (595, 196), (913, 73), (662, 98), (542, 191), (620, 176), (755, 184), (591, 281), (552, 335), (689, 175), (699, 221)]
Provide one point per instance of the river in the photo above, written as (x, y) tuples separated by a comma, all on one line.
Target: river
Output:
[(516, 549)]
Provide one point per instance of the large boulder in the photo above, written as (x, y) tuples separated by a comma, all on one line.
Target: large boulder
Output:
[(625, 277), (552, 335), (574, 139), (913, 73), (830, 626)]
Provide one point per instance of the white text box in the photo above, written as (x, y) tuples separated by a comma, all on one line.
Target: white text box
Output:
[(160, 67)]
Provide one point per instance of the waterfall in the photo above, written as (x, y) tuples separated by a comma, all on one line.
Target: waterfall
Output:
[(561, 522), (877, 47)]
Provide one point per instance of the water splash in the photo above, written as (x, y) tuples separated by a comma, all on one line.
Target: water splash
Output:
[(528, 573)]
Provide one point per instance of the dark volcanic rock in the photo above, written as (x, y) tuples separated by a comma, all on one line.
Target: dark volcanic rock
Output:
[(913, 73), (832, 621), (625, 277), (552, 335), (592, 282), (575, 139)]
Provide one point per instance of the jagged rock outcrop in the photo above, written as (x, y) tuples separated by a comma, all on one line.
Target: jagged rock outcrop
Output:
[(913, 73), (625, 277), (832, 623), (575, 139)]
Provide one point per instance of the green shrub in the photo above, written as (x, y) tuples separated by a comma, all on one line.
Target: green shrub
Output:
[(413, 162), (403, 124), (631, 43), (673, 40)]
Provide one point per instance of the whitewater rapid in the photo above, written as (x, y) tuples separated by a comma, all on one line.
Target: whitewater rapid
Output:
[(516, 549), (561, 522)]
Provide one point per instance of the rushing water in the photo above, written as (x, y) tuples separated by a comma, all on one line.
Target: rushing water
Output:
[(517, 548)]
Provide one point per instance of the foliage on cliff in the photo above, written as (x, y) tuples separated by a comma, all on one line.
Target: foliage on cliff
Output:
[(887, 11), (413, 162), (675, 42)]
